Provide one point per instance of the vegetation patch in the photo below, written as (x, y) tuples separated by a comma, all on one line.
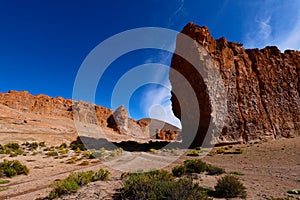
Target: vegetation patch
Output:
[(193, 153), (12, 168), (160, 184), (3, 181), (78, 145), (229, 187), (228, 150), (196, 166), (155, 151), (236, 173), (179, 170), (13, 149), (76, 180), (3, 188), (213, 170), (52, 153)]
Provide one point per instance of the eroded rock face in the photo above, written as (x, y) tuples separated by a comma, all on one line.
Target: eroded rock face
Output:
[(121, 123), (166, 134), (261, 86), (57, 107)]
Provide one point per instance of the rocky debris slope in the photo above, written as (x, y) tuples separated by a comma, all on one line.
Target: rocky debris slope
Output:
[(261, 89)]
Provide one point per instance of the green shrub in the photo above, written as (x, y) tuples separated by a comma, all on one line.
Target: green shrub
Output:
[(76, 180), (78, 145), (12, 168), (199, 148), (193, 153), (160, 185), (42, 144), (3, 188), (237, 173), (155, 151), (3, 181), (179, 170), (13, 146), (63, 146), (195, 166), (101, 175), (230, 187), (13, 149), (63, 151), (213, 170), (52, 153), (33, 146)]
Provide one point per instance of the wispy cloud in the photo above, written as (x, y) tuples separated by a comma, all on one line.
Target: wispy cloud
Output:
[(157, 104), (260, 35), (274, 24), (292, 40), (177, 12)]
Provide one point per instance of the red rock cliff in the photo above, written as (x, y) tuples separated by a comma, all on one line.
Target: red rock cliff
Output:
[(262, 89)]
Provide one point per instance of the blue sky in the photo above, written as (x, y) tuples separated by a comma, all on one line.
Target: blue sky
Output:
[(43, 43)]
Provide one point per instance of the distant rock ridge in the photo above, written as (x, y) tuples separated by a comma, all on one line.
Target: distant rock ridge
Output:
[(88, 117), (262, 89)]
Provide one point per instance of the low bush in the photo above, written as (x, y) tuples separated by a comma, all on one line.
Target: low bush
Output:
[(199, 148), (236, 173), (73, 160), (3, 181), (42, 144), (179, 170), (160, 185), (78, 145), (13, 149), (52, 153), (63, 146), (12, 168), (213, 170), (230, 187), (193, 153), (195, 166), (33, 146), (3, 188), (13, 146), (155, 151), (76, 180)]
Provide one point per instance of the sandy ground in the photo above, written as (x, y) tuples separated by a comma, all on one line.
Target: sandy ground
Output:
[(270, 170)]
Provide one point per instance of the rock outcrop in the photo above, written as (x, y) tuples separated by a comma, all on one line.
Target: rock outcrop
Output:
[(261, 89), (90, 119), (166, 134)]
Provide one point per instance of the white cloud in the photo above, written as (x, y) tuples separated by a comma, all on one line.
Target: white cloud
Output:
[(157, 104), (265, 28), (292, 40), (274, 24)]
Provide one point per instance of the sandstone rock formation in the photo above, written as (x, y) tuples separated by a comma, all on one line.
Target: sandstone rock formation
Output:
[(262, 89), (121, 123), (23, 113), (166, 134)]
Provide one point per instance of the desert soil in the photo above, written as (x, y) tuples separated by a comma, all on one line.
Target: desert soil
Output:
[(270, 170)]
